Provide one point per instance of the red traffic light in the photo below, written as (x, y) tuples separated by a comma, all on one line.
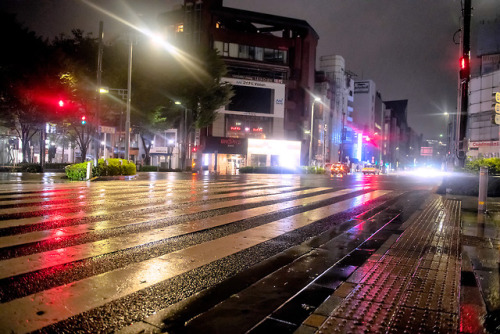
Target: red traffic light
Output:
[(464, 67), (462, 63), (195, 149)]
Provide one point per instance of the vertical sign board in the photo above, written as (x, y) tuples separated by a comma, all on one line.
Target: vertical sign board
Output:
[(496, 107)]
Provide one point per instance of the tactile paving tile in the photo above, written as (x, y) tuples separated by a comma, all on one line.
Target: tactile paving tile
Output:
[(387, 274), (380, 293), (397, 260), (374, 314), (433, 290), (340, 325), (409, 320)]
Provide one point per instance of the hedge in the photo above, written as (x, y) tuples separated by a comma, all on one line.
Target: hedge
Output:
[(146, 168), (30, 168), (108, 167), (493, 165), (281, 170), (266, 170)]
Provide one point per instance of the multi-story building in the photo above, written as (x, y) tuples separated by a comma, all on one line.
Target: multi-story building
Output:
[(394, 147), (340, 124), (482, 131), (367, 120), (271, 65)]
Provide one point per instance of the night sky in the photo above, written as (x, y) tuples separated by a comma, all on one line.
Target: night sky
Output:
[(406, 46)]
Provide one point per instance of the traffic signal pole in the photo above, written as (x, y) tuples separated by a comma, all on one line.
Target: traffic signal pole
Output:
[(463, 100)]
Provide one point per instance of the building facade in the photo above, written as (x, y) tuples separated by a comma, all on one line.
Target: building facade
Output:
[(483, 133), (271, 65), (367, 121), (341, 95)]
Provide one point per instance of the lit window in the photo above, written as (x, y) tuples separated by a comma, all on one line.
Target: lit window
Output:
[(180, 28)]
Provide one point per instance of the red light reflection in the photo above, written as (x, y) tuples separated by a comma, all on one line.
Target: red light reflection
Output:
[(470, 319)]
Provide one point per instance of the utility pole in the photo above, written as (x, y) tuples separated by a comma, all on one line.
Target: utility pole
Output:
[(129, 100), (342, 139), (464, 78), (97, 139)]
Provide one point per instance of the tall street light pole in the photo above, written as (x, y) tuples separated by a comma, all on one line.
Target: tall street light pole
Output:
[(311, 136), (97, 138), (129, 98)]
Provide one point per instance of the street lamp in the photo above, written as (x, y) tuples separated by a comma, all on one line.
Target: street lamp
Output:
[(316, 99), (167, 47), (184, 146), (129, 98)]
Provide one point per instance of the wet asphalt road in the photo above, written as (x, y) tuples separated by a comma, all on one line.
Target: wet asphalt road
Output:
[(100, 256)]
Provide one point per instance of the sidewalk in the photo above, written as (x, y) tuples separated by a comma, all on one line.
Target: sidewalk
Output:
[(412, 284)]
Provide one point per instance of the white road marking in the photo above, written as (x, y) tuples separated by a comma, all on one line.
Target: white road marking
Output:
[(57, 304), (25, 264)]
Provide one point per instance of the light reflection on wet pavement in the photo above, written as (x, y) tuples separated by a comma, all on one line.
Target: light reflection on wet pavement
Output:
[(480, 232), (481, 253)]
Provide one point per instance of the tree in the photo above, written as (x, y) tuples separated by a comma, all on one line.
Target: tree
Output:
[(25, 78), (77, 56), (199, 88)]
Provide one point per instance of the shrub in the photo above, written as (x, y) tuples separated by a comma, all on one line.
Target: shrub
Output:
[(30, 168), (493, 165), (266, 170), (312, 170), (55, 166), (108, 167), (281, 170), (76, 172), (149, 168)]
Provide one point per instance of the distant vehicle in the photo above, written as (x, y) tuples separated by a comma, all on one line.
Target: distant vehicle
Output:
[(339, 168), (370, 169)]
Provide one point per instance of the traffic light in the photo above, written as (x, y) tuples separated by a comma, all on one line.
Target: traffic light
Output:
[(194, 149), (60, 103), (464, 67), (84, 120)]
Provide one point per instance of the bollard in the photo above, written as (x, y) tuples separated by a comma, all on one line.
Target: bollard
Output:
[(89, 170), (483, 189)]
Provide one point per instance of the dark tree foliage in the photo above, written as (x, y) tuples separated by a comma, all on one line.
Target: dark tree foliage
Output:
[(160, 78), (35, 75), (77, 59), (196, 83), (26, 80)]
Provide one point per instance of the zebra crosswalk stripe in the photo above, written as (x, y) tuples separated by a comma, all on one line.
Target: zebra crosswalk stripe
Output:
[(56, 304)]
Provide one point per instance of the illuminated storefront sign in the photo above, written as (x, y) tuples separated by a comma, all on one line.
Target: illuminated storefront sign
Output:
[(225, 145), (484, 143), (287, 151)]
